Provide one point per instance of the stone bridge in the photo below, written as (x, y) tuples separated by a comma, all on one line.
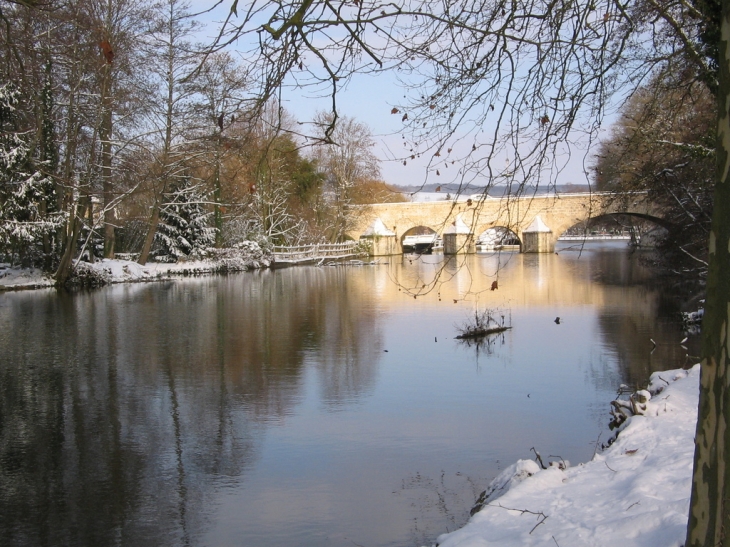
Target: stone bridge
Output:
[(537, 220)]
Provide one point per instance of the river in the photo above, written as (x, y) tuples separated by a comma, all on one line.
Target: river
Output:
[(311, 406)]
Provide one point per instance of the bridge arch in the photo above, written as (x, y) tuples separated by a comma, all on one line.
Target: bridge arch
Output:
[(418, 231), (496, 237), (419, 239), (562, 228)]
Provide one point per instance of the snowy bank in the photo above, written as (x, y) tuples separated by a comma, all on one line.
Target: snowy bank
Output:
[(634, 493), (244, 257), (14, 278)]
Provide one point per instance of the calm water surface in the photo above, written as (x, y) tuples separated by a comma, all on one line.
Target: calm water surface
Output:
[(310, 406)]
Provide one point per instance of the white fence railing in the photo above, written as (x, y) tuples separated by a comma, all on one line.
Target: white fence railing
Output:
[(300, 253)]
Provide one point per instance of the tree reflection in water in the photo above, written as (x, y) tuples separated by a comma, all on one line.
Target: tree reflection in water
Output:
[(121, 410)]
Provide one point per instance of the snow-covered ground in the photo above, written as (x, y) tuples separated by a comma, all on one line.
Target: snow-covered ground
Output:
[(23, 278), (634, 493), (112, 271), (246, 256)]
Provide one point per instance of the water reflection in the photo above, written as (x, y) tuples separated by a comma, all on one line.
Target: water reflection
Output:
[(123, 409), (309, 406)]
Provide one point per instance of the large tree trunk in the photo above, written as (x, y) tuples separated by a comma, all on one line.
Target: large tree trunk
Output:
[(709, 518), (105, 136), (150, 238), (64, 268), (217, 193)]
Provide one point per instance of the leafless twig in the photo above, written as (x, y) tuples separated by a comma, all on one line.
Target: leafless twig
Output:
[(595, 449), (542, 516), (538, 457)]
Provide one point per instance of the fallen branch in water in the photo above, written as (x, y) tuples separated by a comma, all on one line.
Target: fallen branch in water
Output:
[(481, 332), (483, 324)]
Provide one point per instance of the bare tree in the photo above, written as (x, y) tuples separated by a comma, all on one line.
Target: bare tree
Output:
[(220, 102), (171, 59), (116, 25), (282, 182), (346, 159), (663, 144)]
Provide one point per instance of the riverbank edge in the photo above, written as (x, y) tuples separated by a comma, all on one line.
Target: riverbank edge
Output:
[(634, 493), (114, 271)]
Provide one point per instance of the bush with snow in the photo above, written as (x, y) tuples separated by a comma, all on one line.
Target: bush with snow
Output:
[(246, 255), (88, 275)]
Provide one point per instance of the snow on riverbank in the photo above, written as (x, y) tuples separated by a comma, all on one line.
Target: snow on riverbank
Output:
[(635, 493), (246, 256), (23, 278)]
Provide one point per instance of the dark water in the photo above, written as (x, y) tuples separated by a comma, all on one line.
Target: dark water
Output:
[(310, 406)]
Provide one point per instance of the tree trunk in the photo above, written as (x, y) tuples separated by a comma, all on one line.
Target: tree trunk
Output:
[(105, 137), (154, 220), (64, 268), (709, 516), (217, 192)]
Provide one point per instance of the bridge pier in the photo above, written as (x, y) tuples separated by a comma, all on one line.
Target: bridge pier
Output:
[(383, 242), (459, 239), (538, 238)]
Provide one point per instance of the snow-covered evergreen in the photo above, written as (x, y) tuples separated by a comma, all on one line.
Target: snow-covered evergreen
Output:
[(184, 229), (28, 216)]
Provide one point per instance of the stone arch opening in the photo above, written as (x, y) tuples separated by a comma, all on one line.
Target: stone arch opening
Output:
[(420, 240), (498, 238), (636, 229)]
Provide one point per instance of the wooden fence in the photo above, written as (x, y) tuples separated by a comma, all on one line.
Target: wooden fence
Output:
[(313, 253)]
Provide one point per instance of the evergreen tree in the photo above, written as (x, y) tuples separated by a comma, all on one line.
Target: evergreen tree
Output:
[(28, 213), (184, 229)]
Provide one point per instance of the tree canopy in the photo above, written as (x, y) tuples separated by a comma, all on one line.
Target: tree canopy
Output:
[(663, 144)]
